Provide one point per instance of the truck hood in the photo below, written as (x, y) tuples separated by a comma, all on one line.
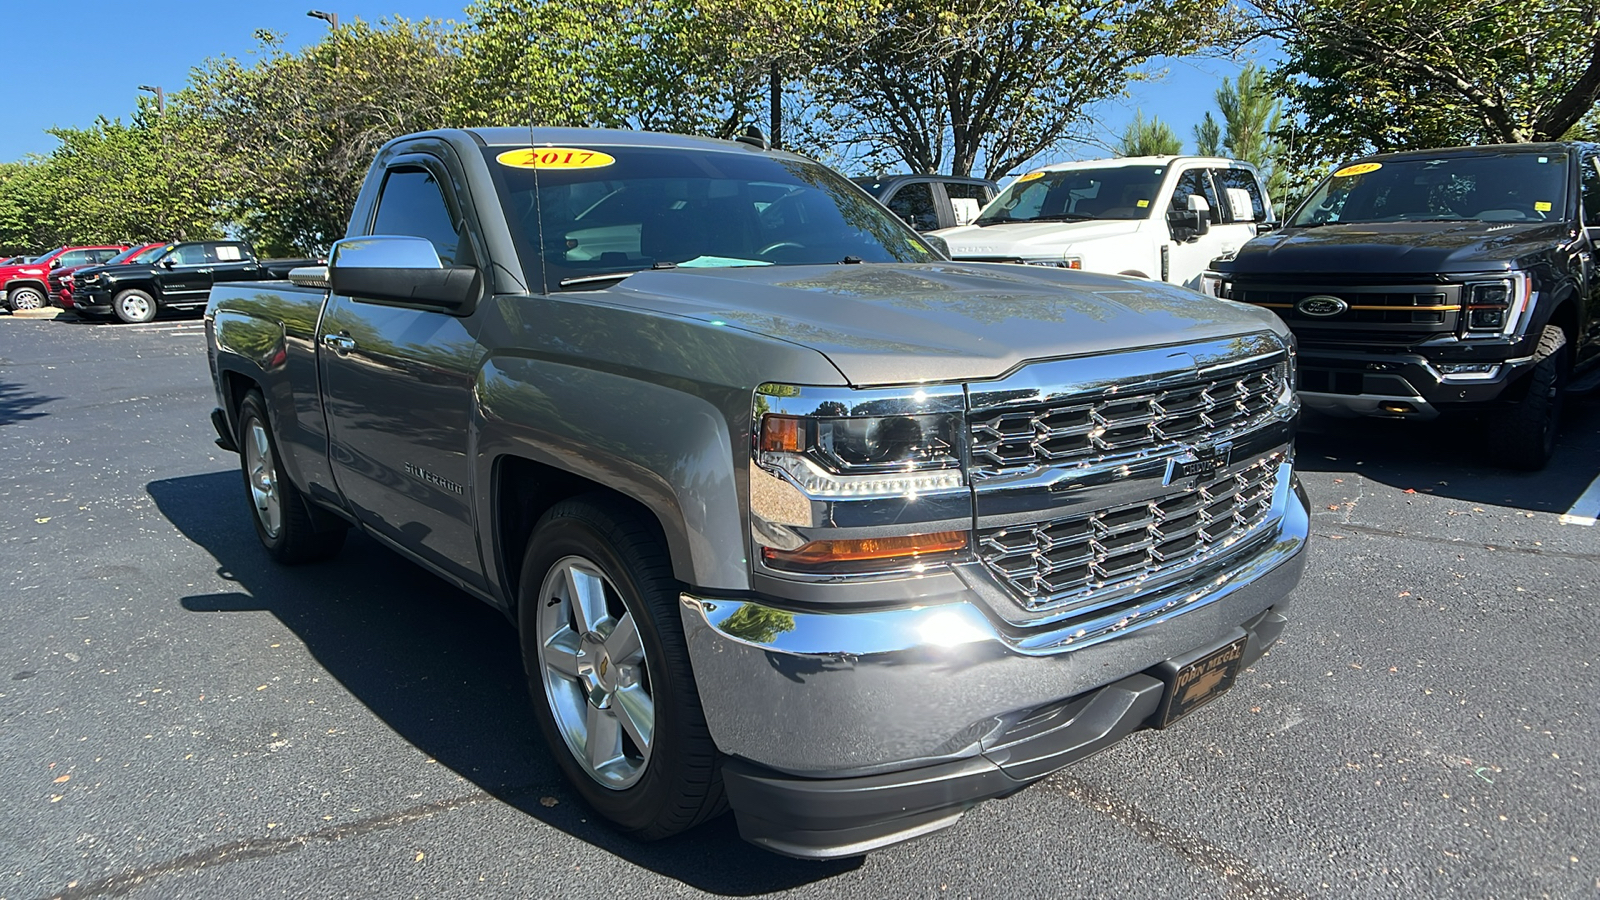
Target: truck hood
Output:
[(1031, 239), (897, 324), (1397, 248)]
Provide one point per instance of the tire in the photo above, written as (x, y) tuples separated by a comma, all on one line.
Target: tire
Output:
[(1524, 437), (25, 298), (585, 669), (134, 306), (282, 516)]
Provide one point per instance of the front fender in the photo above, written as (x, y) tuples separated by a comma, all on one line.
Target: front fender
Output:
[(667, 449)]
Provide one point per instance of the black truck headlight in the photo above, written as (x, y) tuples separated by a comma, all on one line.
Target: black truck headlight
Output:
[(1494, 307)]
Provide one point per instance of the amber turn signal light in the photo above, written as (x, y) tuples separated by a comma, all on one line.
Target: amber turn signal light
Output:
[(780, 434), (864, 549)]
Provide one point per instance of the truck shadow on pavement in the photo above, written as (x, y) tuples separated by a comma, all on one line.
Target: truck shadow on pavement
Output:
[(1446, 458), (16, 405), (444, 671)]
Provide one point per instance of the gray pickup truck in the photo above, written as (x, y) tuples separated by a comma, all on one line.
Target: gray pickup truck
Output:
[(793, 514)]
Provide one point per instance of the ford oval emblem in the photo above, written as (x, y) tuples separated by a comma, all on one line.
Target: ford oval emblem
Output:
[(1321, 306)]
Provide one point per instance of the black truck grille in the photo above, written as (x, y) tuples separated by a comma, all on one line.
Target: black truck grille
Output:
[(1111, 424), (1089, 561)]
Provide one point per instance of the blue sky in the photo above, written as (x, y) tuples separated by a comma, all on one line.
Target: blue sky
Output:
[(74, 77)]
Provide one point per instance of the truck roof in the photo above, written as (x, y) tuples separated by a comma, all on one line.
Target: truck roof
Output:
[(1121, 161), (615, 137), (1544, 147)]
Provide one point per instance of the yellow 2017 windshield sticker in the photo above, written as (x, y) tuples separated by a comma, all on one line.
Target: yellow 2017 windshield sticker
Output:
[(1143, 203), (1030, 176), (1357, 169), (1542, 206), (555, 158)]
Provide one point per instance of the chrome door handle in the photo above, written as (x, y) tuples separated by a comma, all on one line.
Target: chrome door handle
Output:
[(339, 343)]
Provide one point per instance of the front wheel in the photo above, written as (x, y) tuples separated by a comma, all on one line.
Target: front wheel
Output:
[(25, 298), (134, 306), (284, 523), (609, 670), (1524, 437)]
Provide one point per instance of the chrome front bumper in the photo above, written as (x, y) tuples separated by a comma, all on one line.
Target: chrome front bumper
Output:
[(853, 693)]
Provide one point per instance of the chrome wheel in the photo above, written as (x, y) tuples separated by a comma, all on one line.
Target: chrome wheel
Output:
[(26, 298), (134, 308), (263, 478), (595, 674)]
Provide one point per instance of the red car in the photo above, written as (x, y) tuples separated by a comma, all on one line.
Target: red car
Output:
[(62, 279), (25, 285)]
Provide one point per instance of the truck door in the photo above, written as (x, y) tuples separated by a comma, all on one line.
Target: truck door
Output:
[(1188, 252), (398, 388), (184, 274)]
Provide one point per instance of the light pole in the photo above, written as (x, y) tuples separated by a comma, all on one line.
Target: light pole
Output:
[(161, 97), (331, 18)]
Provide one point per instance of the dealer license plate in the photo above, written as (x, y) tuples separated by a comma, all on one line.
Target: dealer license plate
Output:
[(1193, 684)]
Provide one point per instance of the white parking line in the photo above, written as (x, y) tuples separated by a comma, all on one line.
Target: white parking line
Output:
[(1586, 509)]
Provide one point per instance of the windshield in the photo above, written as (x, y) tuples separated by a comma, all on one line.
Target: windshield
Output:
[(122, 257), (668, 208), (1119, 192), (1518, 186)]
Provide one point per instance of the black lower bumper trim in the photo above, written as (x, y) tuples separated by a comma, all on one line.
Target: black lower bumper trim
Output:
[(825, 818), (219, 421)]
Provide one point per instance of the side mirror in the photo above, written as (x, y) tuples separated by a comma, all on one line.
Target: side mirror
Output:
[(402, 270), (1266, 227), (55, 263), (168, 262), (939, 245), (1200, 212)]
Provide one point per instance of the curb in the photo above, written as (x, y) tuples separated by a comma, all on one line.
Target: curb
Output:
[(49, 312)]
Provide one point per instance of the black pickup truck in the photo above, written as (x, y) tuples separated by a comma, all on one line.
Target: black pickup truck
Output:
[(1437, 281), (180, 278)]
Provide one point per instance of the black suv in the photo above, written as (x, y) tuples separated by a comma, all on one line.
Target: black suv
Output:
[(1434, 281), (929, 202)]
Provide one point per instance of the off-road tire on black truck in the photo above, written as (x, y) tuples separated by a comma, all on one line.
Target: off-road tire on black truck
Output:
[(678, 784), (294, 534), (25, 298), (1524, 436)]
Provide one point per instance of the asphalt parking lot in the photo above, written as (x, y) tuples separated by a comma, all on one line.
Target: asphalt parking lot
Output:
[(179, 717)]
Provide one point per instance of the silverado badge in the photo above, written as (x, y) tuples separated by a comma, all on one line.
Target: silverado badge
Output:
[(1321, 306), (1199, 462)]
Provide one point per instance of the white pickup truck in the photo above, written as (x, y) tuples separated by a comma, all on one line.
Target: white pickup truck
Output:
[(1158, 217)]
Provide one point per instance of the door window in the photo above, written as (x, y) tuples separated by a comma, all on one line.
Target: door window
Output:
[(413, 204), (1591, 191), (1243, 180), (976, 192), (189, 255), (72, 258), (1194, 182), (96, 257), (914, 204), (226, 252)]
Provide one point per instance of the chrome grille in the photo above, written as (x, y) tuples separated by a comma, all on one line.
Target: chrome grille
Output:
[(1111, 423), (1092, 560)]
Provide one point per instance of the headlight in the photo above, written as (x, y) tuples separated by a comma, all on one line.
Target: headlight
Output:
[(1495, 307), (846, 443), (1061, 262), (66, 279), (882, 453), (1214, 284)]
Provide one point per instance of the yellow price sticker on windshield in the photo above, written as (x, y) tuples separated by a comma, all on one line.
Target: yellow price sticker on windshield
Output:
[(1143, 203), (1357, 169), (1030, 176), (555, 158), (1542, 206)]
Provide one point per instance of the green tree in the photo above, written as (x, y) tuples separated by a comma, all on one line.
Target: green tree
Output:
[(1208, 137), (1369, 75), (1252, 117), (973, 85), (293, 134), (655, 65), (1148, 137)]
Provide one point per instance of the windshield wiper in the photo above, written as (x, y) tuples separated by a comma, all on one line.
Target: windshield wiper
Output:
[(613, 276)]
